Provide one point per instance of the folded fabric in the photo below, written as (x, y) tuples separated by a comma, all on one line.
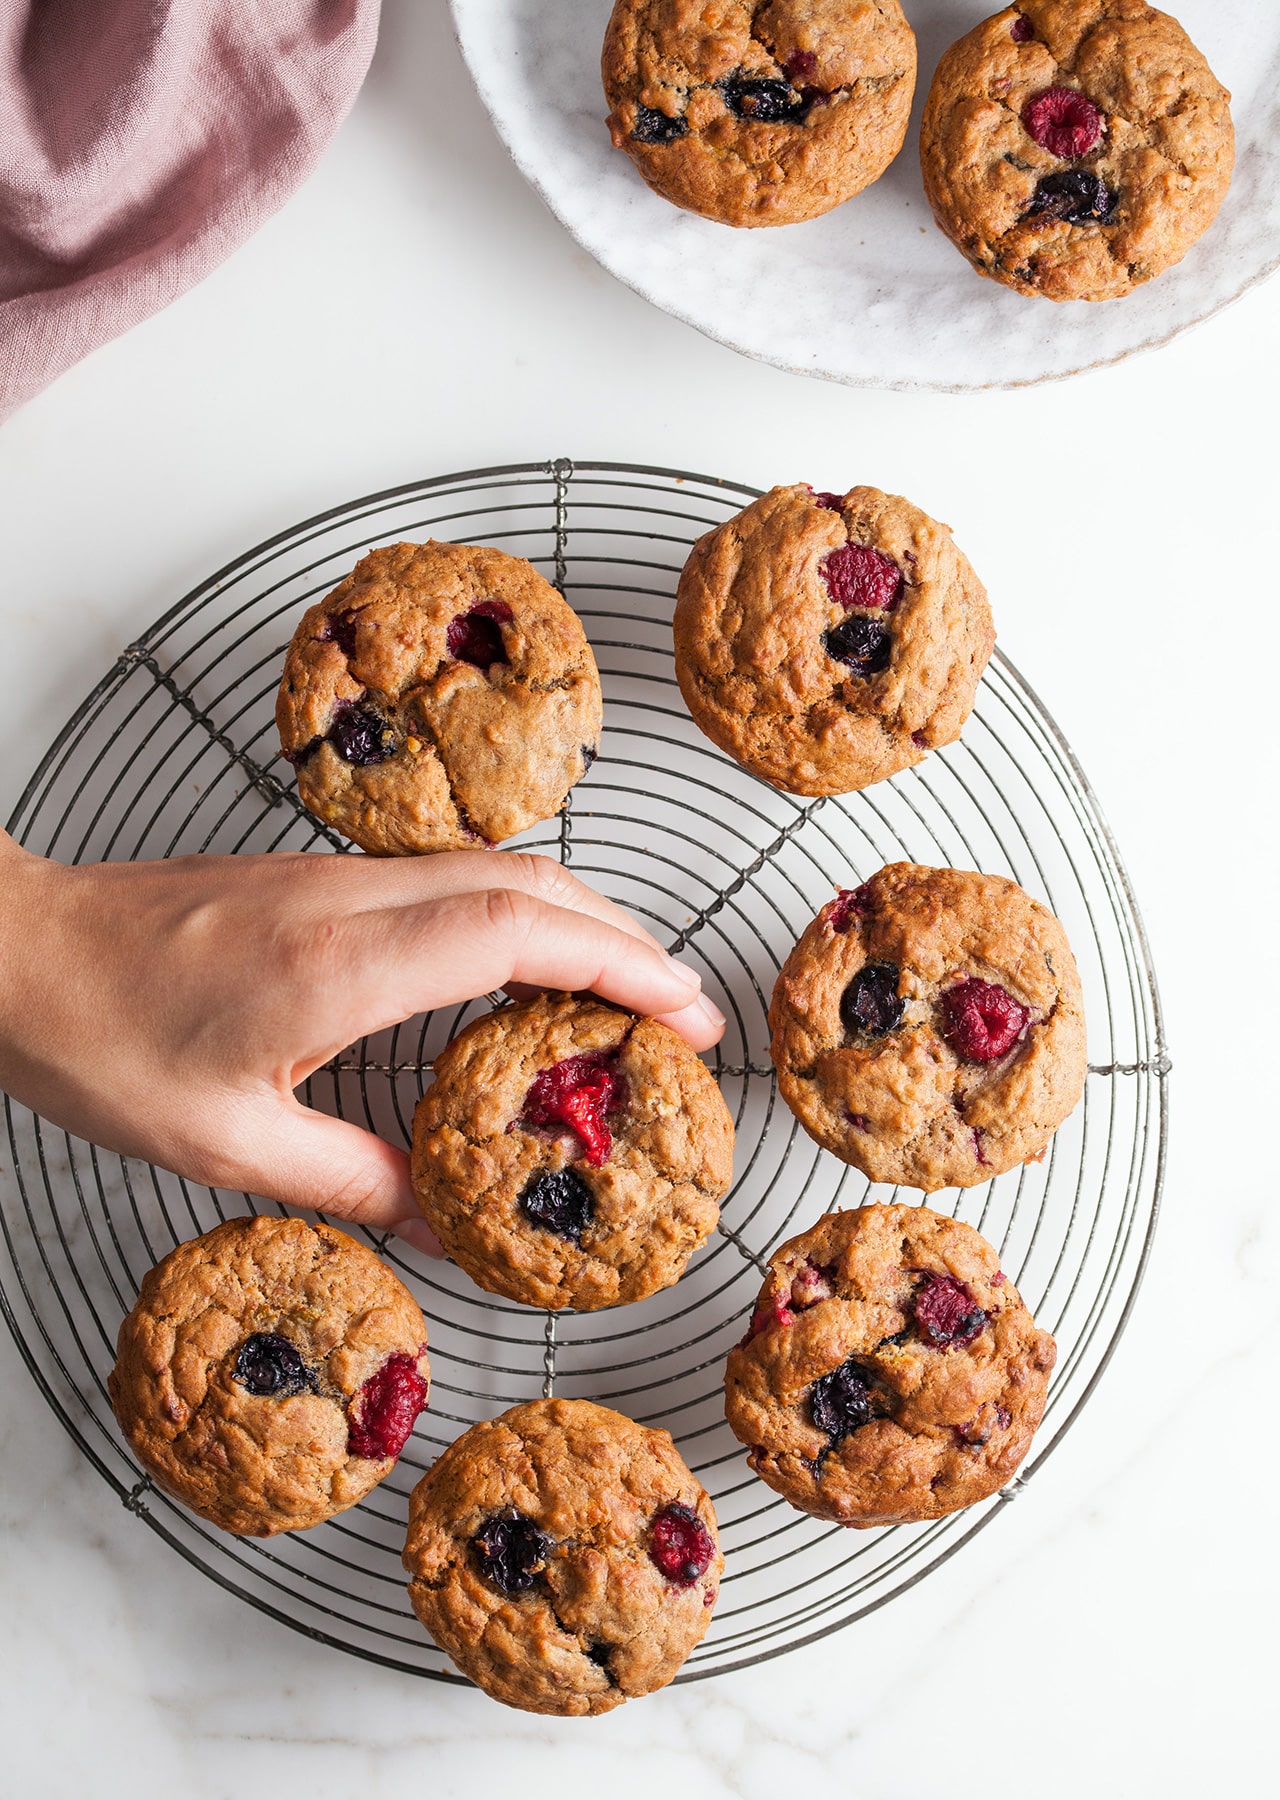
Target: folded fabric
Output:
[(141, 141)]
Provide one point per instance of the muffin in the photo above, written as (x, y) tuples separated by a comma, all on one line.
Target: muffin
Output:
[(564, 1557), (928, 1027), (568, 1154), (826, 641), (1076, 148), (890, 1374), (442, 697), (270, 1374), (759, 115)]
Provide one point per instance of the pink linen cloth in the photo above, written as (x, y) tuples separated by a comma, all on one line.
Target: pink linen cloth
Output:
[(142, 141)]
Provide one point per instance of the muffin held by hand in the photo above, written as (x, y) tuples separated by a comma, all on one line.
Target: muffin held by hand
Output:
[(1076, 148), (564, 1557), (569, 1155), (827, 641), (890, 1374), (443, 696), (759, 115), (928, 1027), (270, 1374)]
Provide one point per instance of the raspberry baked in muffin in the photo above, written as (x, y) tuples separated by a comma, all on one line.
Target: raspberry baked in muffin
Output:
[(928, 1027), (568, 1154), (826, 641), (890, 1373), (270, 1373), (1076, 148), (443, 696), (564, 1557), (759, 114)]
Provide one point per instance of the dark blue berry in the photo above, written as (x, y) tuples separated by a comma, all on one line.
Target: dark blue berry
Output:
[(654, 127), (510, 1551), (841, 1402), (559, 1200), (764, 101), (361, 737), (861, 643), (871, 1005), (342, 631), (271, 1365), (589, 755), (1076, 196)]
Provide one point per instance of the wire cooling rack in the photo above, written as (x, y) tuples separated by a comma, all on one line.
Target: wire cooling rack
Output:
[(175, 751)]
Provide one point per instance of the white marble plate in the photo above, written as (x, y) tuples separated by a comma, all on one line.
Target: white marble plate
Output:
[(873, 294)]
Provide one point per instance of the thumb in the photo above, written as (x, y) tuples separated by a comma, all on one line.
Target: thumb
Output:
[(331, 1166)]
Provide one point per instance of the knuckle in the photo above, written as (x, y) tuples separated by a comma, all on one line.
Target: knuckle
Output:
[(506, 911), (542, 878)]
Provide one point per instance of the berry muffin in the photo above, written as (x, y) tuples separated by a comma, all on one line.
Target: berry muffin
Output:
[(441, 697), (827, 641), (564, 1557), (890, 1374), (929, 1027), (759, 115), (1076, 148), (567, 1154), (270, 1373)]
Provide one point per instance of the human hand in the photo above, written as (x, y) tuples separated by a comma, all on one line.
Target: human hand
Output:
[(168, 1010)]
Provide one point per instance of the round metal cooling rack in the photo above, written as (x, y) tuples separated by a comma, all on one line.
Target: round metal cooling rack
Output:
[(175, 751)]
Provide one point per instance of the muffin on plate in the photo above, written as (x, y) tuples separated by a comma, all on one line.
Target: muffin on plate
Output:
[(928, 1027), (826, 641), (759, 115), (890, 1373), (1076, 148), (270, 1373), (442, 697), (564, 1557), (568, 1154)]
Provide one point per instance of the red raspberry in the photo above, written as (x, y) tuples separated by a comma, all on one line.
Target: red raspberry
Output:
[(680, 1544), (848, 904), (473, 637), (1063, 121), (980, 1021), (947, 1314), (382, 1414), (1022, 30), (578, 1092), (829, 502), (766, 1315), (857, 575), (799, 64)]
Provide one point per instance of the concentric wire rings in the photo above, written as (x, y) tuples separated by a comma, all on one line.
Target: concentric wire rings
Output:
[(174, 751)]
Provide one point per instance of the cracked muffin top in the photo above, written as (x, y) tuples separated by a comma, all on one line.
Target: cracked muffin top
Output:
[(443, 696), (928, 1027), (1076, 148), (568, 1154), (757, 114), (890, 1373), (564, 1557), (270, 1373), (826, 641)]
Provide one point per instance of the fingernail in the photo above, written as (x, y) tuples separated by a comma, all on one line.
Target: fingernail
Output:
[(419, 1236), (710, 1011)]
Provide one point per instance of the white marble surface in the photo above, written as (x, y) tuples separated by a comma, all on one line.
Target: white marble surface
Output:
[(871, 292), (415, 310)]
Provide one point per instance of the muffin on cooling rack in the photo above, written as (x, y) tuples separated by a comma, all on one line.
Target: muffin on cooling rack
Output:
[(270, 1373), (890, 1374), (564, 1557), (759, 115), (829, 640), (568, 1154), (441, 697), (1076, 148), (928, 1027)]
